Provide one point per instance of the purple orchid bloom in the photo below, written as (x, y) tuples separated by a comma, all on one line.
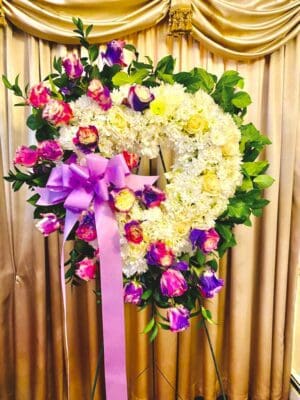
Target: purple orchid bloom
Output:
[(205, 240), (133, 292), (178, 318), (151, 196), (139, 97), (114, 53), (209, 284)]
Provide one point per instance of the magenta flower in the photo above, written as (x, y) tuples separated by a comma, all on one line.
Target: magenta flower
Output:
[(26, 156), (133, 232), (48, 224), (87, 229), (133, 292), (73, 67), (38, 96), (206, 241), (100, 94), (209, 284), (86, 269), (50, 150), (139, 97), (57, 112), (172, 283), (159, 253), (178, 318), (151, 196), (114, 53)]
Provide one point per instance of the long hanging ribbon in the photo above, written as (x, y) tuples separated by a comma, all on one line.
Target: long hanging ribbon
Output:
[(79, 186)]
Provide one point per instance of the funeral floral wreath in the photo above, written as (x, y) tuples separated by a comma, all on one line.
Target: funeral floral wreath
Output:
[(97, 113)]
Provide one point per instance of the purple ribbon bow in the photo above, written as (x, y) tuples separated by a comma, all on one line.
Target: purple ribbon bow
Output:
[(78, 187)]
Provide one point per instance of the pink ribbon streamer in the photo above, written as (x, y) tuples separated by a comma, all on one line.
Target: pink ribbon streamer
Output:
[(79, 186)]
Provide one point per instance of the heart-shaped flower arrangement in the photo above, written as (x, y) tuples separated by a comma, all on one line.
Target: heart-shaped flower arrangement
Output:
[(93, 124)]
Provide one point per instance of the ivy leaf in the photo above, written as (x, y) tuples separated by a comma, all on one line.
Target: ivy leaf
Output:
[(241, 100), (120, 78), (238, 210), (166, 65), (263, 181), (254, 168)]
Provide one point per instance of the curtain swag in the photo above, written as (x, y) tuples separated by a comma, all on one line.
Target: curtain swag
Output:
[(236, 29)]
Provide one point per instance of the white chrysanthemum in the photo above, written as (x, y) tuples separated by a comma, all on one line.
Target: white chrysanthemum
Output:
[(205, 173)]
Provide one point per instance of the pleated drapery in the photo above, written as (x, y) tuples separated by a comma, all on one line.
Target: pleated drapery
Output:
[(254, 312), (236, 29)]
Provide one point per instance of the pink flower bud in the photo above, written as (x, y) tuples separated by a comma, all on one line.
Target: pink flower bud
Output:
[(57, 112), (48, 224), (86, 269)]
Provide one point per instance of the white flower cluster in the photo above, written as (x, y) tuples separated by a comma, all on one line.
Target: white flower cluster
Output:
[(206, 169)]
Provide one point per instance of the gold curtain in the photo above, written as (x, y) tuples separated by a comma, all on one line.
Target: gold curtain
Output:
[(236, 29), (255, 310)]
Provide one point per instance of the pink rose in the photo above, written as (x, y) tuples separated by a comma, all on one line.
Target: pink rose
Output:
[(48, 224), (86, 269), (38, 96), (57, 112), (132, 159), (26, 156), (158, 253), (100, 94), (50, 150)]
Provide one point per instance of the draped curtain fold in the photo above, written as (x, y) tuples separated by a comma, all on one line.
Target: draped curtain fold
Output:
[(254, 313), (234, 29)]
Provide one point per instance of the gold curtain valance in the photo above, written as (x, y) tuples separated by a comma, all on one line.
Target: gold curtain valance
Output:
[(52, 19), (245, 29), (242, 29)]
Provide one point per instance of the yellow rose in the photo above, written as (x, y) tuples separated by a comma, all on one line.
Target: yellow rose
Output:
[(230, 149), (211, 183), (123, 199), (158, 106), (196, 124), (117, 120), (182, 228)]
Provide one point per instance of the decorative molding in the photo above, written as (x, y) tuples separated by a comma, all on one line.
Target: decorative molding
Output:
[(180, 18)]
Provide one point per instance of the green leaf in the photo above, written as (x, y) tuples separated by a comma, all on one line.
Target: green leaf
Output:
[(6, 82), (241, 99), (224, 230), (206, 80), (33, 199), (93, 52), (246, 184), (147, 294), (166, 65), (88, 30), (229, 78), (164, 326), (254, 168), (168, 78), (131, 48), (138, 76), (238, 209), (140, 65), (200, 257), (154, 333), (23, 104), (120, 78), (149, 326), (34, 121), (213, 264), (263, 181)]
